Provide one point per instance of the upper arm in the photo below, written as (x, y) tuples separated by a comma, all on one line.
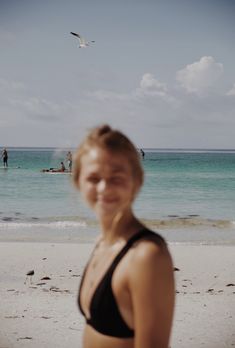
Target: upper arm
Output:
[(151, 284)]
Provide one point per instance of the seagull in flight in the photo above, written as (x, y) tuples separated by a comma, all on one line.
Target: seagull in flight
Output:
[(82, 42)]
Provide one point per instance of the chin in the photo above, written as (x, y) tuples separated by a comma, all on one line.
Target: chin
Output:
[(106, 212)]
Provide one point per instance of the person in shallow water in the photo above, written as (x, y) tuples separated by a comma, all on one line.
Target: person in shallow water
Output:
[(127, 290), (62, 167), (5, 157), (142, 153), (69, 158)]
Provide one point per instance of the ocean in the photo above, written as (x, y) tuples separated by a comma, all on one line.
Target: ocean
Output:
[(188, 197)]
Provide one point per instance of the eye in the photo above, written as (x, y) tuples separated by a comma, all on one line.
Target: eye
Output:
[(93, 179), (116, 180)]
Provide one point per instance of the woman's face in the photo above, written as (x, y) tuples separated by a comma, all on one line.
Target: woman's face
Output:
[(106, 182)]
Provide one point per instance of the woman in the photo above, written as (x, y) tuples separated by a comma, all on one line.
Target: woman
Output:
[(127, 290)]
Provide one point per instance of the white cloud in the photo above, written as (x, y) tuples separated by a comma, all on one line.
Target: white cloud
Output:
[(149, 91), (152, 107), (231, 92), (151, 86), (37, 107), (11, 85), (14, 95), (199, 76)]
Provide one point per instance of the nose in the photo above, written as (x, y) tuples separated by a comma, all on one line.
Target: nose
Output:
[(102, 186)]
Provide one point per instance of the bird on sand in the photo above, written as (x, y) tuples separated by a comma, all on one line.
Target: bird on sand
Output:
[(29, 275), (82, 42)]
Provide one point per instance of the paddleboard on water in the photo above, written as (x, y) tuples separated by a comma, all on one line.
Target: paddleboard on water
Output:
[(55, 171)]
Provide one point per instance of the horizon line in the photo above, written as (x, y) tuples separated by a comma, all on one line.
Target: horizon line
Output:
[(144, 148)]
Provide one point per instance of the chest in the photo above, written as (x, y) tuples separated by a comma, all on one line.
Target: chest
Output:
[(104, 280)]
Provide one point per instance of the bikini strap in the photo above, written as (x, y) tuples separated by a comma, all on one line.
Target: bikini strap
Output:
[(142, 233)]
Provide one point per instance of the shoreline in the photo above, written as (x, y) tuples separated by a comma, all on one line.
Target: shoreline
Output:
[(45, 313), (92, 241), (82, 233)]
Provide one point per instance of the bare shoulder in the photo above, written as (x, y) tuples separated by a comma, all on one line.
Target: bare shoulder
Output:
[(150, 248), (151, 255)]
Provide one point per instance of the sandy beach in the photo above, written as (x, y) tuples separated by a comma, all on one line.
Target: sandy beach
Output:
[(43, 312)]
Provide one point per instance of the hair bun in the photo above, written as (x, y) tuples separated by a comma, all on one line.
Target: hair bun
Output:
[(104, 129)]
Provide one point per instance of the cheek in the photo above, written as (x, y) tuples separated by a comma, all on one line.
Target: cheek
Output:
[(129, 191), (87, 191), (134, 190)]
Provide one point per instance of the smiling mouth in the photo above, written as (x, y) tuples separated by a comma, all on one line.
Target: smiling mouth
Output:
[(106, 200)]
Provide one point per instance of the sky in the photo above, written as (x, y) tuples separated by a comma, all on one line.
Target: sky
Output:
[(161, 71)]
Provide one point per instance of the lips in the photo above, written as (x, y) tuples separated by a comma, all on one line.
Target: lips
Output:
[(107, 200)]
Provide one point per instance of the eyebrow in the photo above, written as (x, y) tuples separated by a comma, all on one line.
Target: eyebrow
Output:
[(115, 170)]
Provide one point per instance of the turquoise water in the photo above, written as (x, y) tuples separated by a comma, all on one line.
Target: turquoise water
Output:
[(184, 192)]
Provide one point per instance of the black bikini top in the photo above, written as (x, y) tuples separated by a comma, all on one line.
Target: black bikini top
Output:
[(105, 316)]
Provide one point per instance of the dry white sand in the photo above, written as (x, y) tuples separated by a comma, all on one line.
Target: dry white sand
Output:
[(45, 314), (205, 300)]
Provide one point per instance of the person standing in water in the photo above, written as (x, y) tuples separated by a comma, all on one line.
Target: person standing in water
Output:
[(127, 290), (69, 160), (5, 157), (142, 153)]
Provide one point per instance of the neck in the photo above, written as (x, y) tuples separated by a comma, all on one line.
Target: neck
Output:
[(121, 225)]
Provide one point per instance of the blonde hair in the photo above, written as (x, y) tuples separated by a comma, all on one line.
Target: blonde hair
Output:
[(111, 140)]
